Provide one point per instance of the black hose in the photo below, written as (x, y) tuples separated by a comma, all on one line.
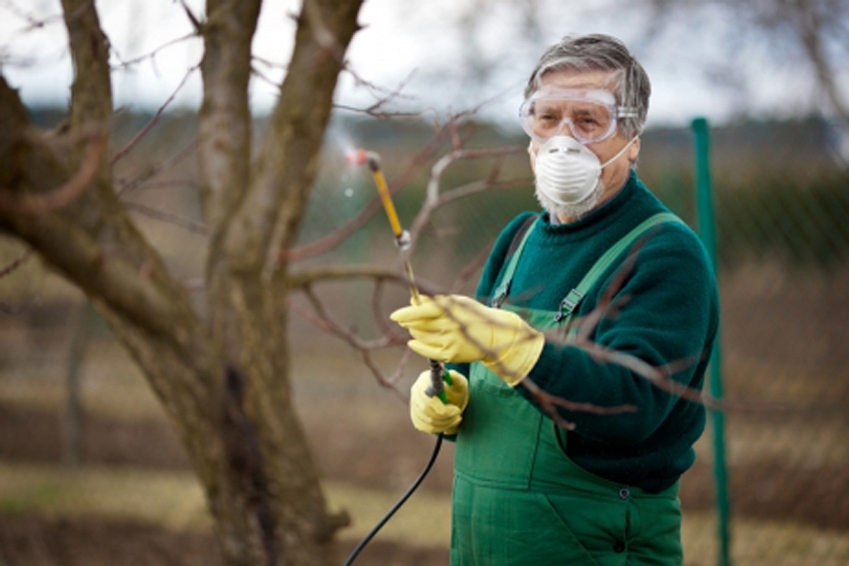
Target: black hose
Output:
[(397, 505)]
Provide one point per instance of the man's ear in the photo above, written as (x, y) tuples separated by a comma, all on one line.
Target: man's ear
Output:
[(634, 151)]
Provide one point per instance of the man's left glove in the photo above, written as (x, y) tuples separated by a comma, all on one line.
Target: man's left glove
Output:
[(430, 414), (453, 328)]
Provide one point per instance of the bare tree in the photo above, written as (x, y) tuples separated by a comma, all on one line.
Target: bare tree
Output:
[(821, 29), (221, 371), (809, 36), (222, 376)]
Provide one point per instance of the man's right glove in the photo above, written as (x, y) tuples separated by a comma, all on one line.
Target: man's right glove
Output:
[(453, 328), (430, 414)]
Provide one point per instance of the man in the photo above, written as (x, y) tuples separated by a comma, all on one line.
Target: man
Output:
[(568, 451)]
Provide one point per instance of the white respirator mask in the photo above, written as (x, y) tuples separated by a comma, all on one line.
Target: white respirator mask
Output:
[(567, 172)]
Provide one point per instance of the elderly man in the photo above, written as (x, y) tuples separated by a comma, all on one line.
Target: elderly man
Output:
[(566, 451)]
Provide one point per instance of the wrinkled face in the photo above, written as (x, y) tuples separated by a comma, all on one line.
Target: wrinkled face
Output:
[(585, 110)]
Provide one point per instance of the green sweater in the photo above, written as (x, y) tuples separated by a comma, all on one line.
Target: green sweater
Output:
[(667, 315)]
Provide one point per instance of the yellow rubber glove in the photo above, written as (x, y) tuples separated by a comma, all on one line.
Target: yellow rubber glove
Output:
[(454, 328), (430, 414)]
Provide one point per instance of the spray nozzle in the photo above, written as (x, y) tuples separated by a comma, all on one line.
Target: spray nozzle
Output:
[(361, 157)]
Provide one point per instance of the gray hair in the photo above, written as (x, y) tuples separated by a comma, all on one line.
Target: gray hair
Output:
[(598, 52)]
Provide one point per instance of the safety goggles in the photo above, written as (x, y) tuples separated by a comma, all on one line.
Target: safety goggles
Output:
[(589, 114)]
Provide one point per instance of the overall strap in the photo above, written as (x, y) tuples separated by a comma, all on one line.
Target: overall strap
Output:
[(520, 238), (573, 298)]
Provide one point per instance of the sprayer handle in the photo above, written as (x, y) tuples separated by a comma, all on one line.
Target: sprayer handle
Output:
[(438, 378)]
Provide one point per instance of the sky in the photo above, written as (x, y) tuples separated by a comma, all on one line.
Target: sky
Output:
[(404, 44)]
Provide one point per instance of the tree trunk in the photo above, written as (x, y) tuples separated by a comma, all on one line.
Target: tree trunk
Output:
[(255, 211), (223, 378)]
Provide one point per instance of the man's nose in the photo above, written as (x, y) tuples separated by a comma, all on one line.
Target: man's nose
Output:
[(565, 128)]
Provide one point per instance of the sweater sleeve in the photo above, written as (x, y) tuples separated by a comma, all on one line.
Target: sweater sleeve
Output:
[(664, 315)]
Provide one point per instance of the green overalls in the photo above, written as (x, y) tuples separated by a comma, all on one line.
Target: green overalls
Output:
[(519, 500)]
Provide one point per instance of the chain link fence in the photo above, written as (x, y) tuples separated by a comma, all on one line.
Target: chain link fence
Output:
[(781, 195)]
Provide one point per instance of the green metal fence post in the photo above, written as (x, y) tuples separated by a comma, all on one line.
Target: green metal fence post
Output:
[(707, 232)]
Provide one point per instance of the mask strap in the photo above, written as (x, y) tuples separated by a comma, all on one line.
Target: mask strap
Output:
[(621, 151)]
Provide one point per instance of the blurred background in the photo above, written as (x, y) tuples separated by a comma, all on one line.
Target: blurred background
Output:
[(90, 471)]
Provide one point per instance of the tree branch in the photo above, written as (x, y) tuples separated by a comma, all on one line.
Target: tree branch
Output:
[(42, 203), (110, 278), (224, 121), (810, 27), (268, 219), (91, 239), (91, 93), (303, 279)]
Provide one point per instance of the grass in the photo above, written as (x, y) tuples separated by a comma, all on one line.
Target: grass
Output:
[(174, 500)]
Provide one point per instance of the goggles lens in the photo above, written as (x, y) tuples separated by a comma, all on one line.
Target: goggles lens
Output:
[(588, 115)]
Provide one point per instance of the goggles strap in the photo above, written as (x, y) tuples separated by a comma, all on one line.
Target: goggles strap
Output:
[(626, 112)]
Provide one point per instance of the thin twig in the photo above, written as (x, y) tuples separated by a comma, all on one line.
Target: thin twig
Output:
[(166, 217), (152, 55), (152, 122), (159, 168), (323, 320), (192, 17), (550, 403), (435, 198), (383, 96), (335, 328), (16, 263)]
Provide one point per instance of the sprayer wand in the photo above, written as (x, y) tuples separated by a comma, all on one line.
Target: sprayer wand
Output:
[(437, 372), (402, 240)]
